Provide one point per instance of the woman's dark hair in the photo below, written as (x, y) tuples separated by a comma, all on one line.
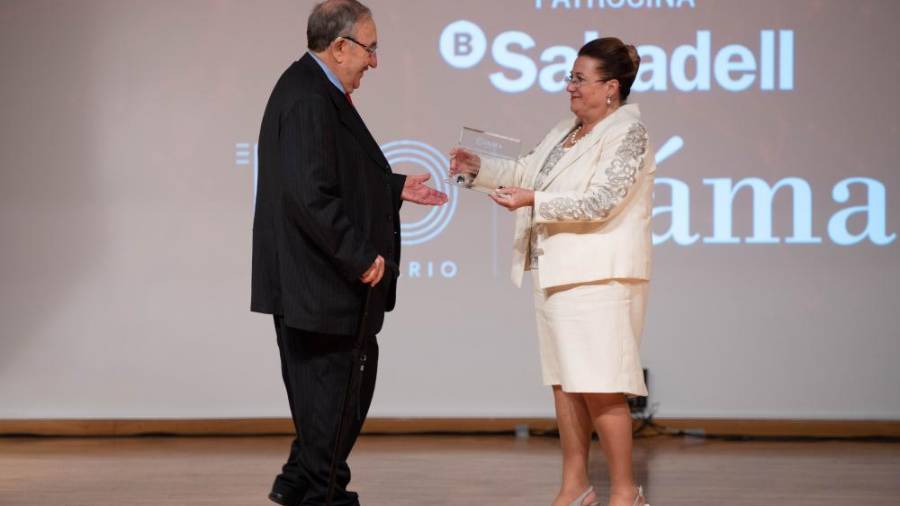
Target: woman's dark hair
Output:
[(617, 61)]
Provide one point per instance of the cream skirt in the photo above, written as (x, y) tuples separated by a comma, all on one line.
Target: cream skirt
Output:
[(590, 335)]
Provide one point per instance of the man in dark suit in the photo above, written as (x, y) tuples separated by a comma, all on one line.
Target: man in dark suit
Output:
[(326, 231)]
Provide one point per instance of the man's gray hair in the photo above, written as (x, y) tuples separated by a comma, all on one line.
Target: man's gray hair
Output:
[(331, 19)]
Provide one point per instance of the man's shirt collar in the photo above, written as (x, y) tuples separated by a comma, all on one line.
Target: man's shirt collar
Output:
[(329, 74)]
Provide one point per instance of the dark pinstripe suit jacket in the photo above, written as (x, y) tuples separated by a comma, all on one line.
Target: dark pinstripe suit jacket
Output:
[(327, 203)]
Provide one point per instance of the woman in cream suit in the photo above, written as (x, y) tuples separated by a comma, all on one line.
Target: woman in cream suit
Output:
[(582, 199)]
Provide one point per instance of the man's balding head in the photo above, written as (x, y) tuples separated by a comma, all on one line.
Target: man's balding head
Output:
[(332, 19)]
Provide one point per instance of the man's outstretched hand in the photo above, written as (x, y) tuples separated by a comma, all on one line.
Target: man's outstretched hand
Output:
[(415, 190)]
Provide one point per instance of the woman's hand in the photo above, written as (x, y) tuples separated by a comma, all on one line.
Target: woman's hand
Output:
[(513, 198), (464, 162)]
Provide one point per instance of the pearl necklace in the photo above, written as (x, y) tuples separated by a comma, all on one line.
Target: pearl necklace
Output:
[(571, 140)]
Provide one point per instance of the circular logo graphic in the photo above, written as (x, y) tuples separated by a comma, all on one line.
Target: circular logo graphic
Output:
[(462, 44), (436, 164)]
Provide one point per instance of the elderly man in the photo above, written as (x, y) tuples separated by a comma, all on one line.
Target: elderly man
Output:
[(326, 246)]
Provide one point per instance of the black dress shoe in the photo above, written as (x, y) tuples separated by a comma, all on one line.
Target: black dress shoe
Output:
[(279, 498)]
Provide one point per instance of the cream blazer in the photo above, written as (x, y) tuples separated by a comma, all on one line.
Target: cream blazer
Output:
[(592, 213)]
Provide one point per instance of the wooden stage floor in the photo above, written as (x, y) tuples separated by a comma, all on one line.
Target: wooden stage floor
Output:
[(442, 470)]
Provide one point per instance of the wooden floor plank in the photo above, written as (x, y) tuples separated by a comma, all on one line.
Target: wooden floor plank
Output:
[(274, 426), (441, 470)]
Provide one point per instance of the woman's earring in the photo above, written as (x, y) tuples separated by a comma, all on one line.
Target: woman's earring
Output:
[(608, 100)]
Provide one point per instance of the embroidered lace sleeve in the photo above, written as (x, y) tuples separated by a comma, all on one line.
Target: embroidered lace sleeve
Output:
[(616, 175)]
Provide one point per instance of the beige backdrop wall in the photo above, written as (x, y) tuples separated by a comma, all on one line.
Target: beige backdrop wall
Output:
[(127, 158)]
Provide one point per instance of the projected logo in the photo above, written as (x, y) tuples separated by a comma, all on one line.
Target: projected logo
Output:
[(247, 154), (698, 66), (422, 156), (568, 5), (403, 153), (669, 148)]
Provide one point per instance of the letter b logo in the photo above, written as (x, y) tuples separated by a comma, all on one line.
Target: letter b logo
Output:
[(462, 44)]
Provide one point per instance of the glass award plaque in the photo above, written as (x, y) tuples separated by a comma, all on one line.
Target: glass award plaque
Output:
[(489, 144), (485, 145)]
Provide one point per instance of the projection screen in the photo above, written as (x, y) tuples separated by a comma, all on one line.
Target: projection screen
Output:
[(129, 154)]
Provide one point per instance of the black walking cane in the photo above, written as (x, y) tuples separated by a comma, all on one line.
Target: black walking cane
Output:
[(355, 375)]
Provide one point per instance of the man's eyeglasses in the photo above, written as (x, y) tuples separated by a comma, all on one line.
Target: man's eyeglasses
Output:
[(578, 81), (369, 49)]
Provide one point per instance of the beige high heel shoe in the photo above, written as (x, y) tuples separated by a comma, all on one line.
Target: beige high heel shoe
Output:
[(579, 501)]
